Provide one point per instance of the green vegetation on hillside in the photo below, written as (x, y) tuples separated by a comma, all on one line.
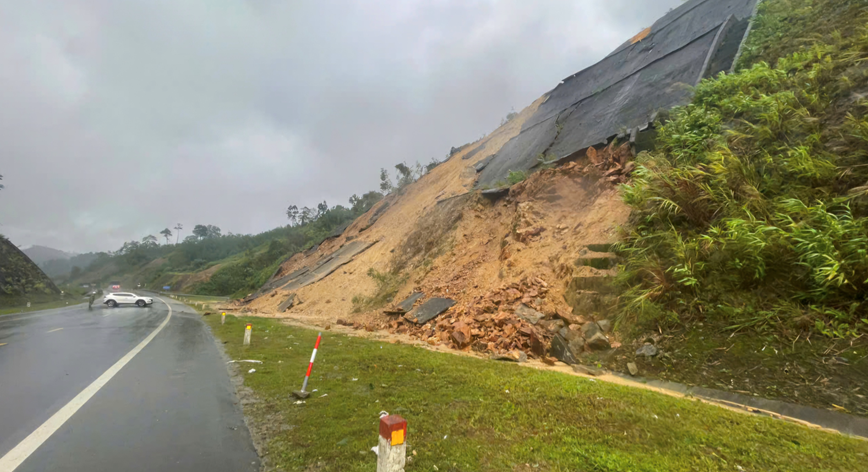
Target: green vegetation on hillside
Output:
[(245, 261), (753, 209), (468, 414)]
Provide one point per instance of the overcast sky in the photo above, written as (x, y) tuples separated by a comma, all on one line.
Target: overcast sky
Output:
[(119, 118)]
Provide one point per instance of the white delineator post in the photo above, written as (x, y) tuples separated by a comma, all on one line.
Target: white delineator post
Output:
[(392, 450), (223, 318), (247, 331)]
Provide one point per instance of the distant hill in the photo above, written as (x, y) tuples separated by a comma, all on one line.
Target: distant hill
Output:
[(20, 279), (60, 268), (42, 254)]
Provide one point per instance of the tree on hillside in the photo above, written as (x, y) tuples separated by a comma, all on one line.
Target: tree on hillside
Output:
[(200, 231), (74, 273), (178, 234), (431, 165), (361, 205), (206, 231), (292, 214), (405, 175), (149, 241), (385, 182), (307, 215), (167, 233)]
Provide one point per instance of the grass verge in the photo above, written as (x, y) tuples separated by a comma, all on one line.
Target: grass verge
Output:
[(467, 414), (40, 306)]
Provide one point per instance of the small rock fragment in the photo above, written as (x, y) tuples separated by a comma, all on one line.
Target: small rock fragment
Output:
[(633, 368)]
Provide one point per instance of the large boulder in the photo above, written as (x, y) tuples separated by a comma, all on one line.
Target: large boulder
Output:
[(561, 350)]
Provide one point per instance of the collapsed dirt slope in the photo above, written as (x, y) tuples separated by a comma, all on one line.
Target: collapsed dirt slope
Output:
[(391, 222), (477, 249)]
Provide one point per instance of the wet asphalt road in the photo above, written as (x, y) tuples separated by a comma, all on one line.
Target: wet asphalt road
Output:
[(172, 407)]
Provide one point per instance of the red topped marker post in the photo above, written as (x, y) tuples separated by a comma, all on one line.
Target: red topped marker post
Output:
[(392, 447)]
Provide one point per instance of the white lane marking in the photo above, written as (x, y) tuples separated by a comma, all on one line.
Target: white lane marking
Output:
[(55, 329), (31, 443)]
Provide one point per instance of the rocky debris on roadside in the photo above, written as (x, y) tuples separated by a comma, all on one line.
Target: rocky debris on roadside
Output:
[(512, 318), (488, 323), (633, 368), (647, 350), (615, 161)]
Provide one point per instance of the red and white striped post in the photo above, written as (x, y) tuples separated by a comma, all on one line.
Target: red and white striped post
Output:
[(303, 393)]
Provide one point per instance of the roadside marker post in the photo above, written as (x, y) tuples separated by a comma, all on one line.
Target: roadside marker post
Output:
[(247, 331), (303, 393), (392, 446), (223, 318)]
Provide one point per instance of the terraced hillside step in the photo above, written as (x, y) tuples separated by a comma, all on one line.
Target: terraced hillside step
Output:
[(598, 260), (590, 303), (600, 247), (602, 284)]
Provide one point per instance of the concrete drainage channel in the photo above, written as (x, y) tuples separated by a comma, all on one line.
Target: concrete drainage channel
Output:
[(809, 416)]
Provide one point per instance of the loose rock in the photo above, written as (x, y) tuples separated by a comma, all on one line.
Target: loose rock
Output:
[(633, 368), (599, 342), (561, 350), (529, 314), (552, 326), (590, 329), (648, 350), (605, 325)]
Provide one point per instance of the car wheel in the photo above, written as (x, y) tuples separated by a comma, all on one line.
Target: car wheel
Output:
[(140, 303), (111, 303)]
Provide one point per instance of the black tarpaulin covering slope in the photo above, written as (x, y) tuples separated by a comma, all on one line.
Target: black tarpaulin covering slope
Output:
[(623, 90)]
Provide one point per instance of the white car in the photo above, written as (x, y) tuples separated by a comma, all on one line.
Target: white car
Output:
[(126, 298)]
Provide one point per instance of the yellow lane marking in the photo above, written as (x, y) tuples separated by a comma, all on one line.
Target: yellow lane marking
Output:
[(55, 329), (2, 344)]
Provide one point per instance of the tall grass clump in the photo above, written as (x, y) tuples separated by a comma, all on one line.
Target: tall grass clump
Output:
[(753, 208)]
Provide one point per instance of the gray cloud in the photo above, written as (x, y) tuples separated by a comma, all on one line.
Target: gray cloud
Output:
[(122, 118)]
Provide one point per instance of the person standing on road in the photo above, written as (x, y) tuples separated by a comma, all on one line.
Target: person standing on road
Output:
[(90, 300)]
